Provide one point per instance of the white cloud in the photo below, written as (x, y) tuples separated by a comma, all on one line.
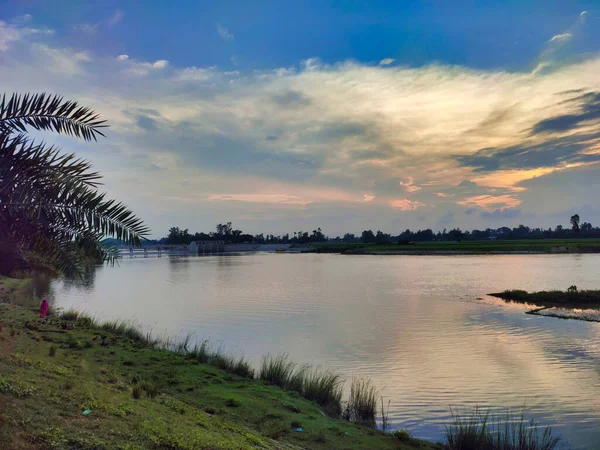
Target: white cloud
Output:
[(86, 28), (116, 18), (10, 33), (561, 37), (224, 33), (160, 64), (540, 67), (340, 144), (142, 68), (196, 74), (386, 61)]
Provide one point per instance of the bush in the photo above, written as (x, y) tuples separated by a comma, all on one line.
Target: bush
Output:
[(70, 314), (137, 392), (150, 388), (402, 435), (232, 402)]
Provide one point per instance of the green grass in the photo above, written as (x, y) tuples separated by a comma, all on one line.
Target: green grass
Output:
[(477, 431), (582, 299), (150, 393), (148, 397), (483, 246)]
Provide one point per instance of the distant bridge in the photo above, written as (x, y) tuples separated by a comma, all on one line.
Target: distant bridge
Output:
[(195, 248), (203, 248)]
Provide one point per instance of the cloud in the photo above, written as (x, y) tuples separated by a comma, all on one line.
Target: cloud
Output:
[(491, 202), (160, 64), (116, 18), (386, 61), (86, 28), (139, 68), (561, 37), (368, 197), (12, 33), (410, 186), (342, 144), (283, 199), (195, 74), (589, 110), (406, 205), (224, 33)]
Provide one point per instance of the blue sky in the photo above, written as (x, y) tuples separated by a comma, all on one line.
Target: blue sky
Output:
[(282, 116), (481, 34)]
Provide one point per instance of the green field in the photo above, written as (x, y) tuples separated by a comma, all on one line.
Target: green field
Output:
[(140, 397), (441, 247)]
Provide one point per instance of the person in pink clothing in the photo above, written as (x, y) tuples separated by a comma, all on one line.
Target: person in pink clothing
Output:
[(44, 307)]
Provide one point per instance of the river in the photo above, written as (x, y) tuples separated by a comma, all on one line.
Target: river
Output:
[(421, 327)]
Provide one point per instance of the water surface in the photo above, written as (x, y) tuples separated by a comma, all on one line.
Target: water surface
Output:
[(421, 327)]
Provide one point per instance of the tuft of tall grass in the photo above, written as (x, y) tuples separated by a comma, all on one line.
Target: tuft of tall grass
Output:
[(276, 370), (132, 331), (296, 379), (324, 388), (362, 403), (70, 314), (479, 431), (201, 352)]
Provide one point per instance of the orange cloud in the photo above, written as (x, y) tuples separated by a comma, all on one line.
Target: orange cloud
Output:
[(406, 205), (491, 202)]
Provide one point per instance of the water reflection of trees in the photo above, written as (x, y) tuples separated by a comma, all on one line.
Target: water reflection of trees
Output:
[(86, 283), (179, 268)]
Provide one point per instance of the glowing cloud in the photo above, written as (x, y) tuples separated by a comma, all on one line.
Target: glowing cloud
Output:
[(491, 202), (406, 205)]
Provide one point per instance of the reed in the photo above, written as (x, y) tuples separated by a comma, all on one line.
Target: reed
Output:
[(326, 389), (479, 431), (277, 370), (362, 403)]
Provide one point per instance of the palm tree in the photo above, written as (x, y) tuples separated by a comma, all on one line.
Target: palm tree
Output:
[(52, 216)]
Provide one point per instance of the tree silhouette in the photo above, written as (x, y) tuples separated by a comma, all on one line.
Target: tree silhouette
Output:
[(575, 223)]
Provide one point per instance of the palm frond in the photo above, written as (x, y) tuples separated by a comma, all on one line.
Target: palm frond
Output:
[(52, 216), (51, 113)]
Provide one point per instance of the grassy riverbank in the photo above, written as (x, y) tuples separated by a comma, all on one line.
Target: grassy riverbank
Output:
[(465, 247), (549, 299), (142, 397)]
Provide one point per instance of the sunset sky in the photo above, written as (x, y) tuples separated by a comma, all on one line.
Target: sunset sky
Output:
[(287, 116)]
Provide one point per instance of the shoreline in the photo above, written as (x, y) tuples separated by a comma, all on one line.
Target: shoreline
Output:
[(75, 383), (450, 252)]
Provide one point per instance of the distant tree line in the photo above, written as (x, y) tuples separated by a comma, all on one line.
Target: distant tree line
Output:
[(226, 232)]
